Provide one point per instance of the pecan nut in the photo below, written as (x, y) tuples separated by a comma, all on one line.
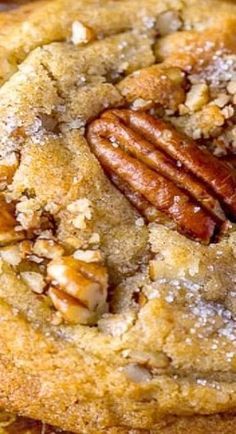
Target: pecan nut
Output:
[(155, 83), (70, 309), (165, 169), (7, 170), (8, 224), (79, 289)]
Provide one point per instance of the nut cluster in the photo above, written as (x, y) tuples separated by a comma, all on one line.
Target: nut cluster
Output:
[(156, 166), (77, 285)]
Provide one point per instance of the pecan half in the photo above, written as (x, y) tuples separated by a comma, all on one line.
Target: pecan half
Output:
[(230, 159), (79, 289), (165, 169)]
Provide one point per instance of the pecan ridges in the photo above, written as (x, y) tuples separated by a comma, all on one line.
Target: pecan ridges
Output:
[(154, 165)]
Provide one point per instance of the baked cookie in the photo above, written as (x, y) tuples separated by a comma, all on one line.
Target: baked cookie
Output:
[(10, 424), (117, 218), (197, 425)]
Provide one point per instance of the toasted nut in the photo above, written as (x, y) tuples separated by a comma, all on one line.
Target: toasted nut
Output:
[(82, 211), (141, 104), (221, 100), (154, 84), (29, 213), (70, 308), (85, 282), (8, 167), (231, 88), (25, 248), (81, 206), (94, 239), (79, 222), (81, 34), (34, 280), (197, 97), (88, 255), (137, 200), (11, 254), (8, 224), (228, 111), (48, 249), (141, 162), (167, 169)]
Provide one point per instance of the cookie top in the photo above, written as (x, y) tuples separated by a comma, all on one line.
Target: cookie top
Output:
[(118, 203)]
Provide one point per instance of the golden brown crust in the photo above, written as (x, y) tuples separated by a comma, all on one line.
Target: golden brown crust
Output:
[(197, 425)]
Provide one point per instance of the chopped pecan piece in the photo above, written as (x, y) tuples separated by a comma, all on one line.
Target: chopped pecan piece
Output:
[(79, 289), (7, 170), (156, 83), (81, 34), (71, 309), (165, 169), (8, 224)]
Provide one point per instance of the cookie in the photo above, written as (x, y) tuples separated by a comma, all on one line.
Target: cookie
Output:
[(117, 218)]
